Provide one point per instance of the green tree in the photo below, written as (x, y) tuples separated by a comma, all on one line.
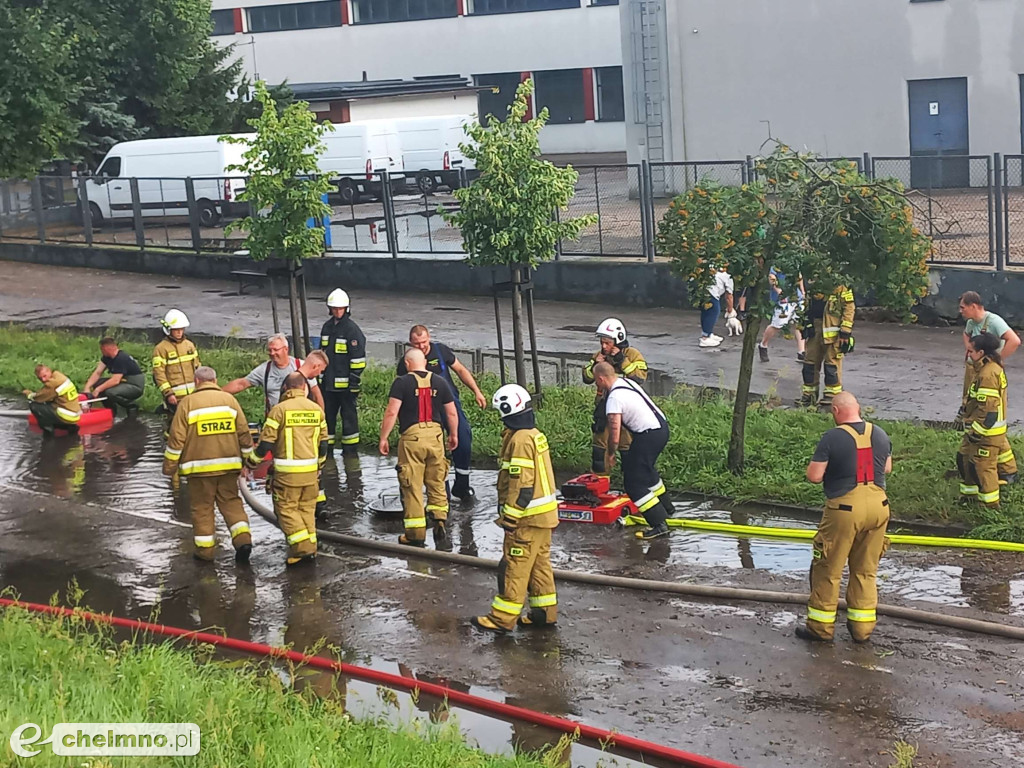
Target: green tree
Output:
[(823, 220), (507, 215), (284, 188), (34, 90)]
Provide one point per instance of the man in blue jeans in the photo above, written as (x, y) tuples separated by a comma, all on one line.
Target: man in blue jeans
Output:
[(712, 308), (442, 362)]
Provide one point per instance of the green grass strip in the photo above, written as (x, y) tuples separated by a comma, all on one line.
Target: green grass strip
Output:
[(66, 670), (779, 442)]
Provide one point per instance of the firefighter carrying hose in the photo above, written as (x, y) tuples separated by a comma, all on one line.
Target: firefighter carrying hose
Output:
[(528, 512), (628, 362), (851, 461), (175, 360), (829, 335), (984, 415), (418, 401), (208, 438), (296, 431), (345, 345)]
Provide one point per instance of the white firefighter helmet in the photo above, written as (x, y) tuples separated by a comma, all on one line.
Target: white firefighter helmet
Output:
[(173, 320), (510, 400), (612, 329), (337, 298)]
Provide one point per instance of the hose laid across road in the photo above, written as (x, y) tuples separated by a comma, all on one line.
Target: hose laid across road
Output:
[(616, 741), (693, 590), (802, 534)]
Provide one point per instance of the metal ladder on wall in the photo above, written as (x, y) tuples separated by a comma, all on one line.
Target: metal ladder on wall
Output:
[(649, 90)]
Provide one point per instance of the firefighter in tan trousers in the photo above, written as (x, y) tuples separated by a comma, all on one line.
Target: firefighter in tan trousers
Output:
[(528, 512), (851, 461), (627, 362), (418, 400), (296, 431), (175, 360), (208, 438), (984, 444), (829, 335), (56, 404)]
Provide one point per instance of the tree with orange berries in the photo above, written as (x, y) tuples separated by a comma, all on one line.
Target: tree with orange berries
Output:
[(824, 221)]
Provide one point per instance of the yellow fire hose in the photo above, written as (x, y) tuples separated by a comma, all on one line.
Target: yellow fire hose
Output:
[(805, 534)]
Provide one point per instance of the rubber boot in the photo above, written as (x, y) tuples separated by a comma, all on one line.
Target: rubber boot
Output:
[(655, 532), (805, 634), (1008, 479), (242, 554), (309, 559), (461, 488), (410, 543), (762, 353), (536, 619), (442, 542), (487, 623)]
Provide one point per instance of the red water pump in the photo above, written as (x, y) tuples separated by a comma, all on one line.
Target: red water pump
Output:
[(589, 499)]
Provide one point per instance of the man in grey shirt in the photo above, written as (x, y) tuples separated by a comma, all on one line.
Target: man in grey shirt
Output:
[(269, 376)]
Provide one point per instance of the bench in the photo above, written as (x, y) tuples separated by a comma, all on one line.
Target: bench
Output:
[(247, 277)]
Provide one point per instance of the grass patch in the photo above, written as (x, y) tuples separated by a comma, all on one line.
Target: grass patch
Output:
[(779, 442), (68, 670), (903, 755)]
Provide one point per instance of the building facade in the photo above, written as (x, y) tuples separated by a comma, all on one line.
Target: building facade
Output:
[(707, 79), (571, 49)]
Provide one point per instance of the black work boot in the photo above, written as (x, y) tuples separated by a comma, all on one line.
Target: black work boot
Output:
[(762, 352), (654, 532), (411, 542), (461, 489), (242, 554), (1008, 479), (805, 634), (536, 618), (441, 540)]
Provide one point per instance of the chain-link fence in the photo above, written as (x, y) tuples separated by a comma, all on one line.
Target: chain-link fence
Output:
[(953, 199), (972, 206)]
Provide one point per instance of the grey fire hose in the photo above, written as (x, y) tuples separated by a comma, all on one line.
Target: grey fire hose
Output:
[(693, 590)]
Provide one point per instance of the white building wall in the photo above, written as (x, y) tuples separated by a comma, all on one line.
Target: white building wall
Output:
[(467, 45), (830, 75), (416, 106)]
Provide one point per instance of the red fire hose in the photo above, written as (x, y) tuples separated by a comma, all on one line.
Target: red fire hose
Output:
[(505, 711)]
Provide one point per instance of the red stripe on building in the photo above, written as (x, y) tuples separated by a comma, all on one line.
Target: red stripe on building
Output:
[(344, 13), (589, 114), (460, 7), (523, 77), (238, 21)]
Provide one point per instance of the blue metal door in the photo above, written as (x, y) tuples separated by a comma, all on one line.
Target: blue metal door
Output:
[(939, 138)]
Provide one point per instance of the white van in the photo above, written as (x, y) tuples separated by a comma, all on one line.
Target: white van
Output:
[(161, 167), (356, 152), (430, 150)]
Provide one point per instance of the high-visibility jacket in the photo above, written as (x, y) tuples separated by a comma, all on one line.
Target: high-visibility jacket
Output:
[(174, 367), (345, 346), (629, 363), (61, 391), (209, 434), (526, 481), (838, 316), (985, 410), (296, 431)]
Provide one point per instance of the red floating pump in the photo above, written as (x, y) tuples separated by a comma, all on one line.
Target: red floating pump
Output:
[(589, 499)]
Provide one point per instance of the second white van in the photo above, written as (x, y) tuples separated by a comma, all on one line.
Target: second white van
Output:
[(356, 153), (430, 150)]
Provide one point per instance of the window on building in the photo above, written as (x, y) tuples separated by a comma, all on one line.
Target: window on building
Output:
[(481, 7), (379, 11), (561, 91), (611, 107), (490, 103), (223, 22), (604, 2), (277, 18)]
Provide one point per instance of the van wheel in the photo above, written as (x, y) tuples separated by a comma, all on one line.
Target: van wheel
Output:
[(427, 182), (208, 213), (348, 192), (96, 215)]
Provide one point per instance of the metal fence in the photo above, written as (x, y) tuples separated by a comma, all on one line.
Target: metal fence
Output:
[(972, 206)]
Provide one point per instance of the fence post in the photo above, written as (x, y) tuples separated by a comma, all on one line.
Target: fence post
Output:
[(869, 169), (390, 222), (140, 232), (37, 206), (193, 216), (83, 204), (558, 242), (995, 191), (647, 209), (751, 170)]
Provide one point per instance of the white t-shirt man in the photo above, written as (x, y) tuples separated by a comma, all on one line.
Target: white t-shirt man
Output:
[(637, 409), (269, 378), (723, 284)]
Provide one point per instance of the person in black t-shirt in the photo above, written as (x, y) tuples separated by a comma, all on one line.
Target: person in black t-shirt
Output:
[(441, 361), (126, 381), (419, 401)]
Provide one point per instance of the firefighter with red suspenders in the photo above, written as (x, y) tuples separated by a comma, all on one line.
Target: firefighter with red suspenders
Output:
[(418, 401), (851, 461)]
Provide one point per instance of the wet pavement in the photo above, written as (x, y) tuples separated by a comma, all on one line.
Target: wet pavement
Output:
[(729, 681), (899, 372)]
